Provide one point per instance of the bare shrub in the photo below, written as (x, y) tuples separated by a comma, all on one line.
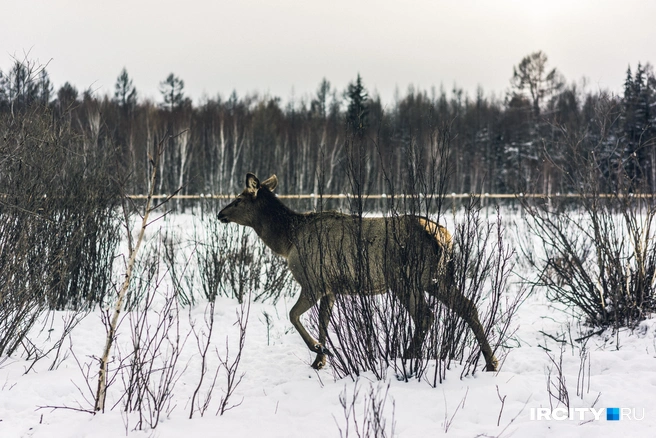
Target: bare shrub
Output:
[(233, 263), (150, 371), (178, 264), (556, 384), (200, 399), (230, 365), (599, 259), (370, 419), (483, 265), (58, 224), (598, 254)]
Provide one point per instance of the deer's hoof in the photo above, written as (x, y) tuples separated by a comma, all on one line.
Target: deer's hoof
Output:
[(319, 362), (492, 365)]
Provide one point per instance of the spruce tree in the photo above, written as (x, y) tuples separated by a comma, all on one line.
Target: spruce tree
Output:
[(66, 96), (319, 105), (125, 94), (357, 111), (637, 127)]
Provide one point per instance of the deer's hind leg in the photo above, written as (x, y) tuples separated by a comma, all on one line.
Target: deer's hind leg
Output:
[(325, 311), (465, 309), (303, 304), (423, 318)]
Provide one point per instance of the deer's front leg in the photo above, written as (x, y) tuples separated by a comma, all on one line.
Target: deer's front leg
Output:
[(303, 304)]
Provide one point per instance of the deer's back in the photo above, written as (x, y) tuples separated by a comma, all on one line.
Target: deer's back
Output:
[(347, 254)]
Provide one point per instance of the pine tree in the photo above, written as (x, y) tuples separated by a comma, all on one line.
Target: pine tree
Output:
[(44, 88), (637, 126), (66, 96), (531, 76), (641, 97), (627, 101), (357, 111), (320, 103), (22, 88), (628, 106), (125, 94), (628, 82), (172, 92), (644, 129)]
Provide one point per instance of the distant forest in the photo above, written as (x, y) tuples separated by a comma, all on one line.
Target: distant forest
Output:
[(520, 142)]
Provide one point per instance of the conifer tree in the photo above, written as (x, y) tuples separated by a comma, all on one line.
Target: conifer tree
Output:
[(172, 92), (125, 93), (357, 111), (320, 103)]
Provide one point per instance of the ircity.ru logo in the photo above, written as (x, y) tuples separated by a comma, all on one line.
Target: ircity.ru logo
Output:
[(583, 414)]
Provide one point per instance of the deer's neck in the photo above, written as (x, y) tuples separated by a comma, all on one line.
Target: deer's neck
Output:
[(276, 228)]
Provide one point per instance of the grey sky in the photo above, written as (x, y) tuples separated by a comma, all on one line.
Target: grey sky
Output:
[(277, 46)]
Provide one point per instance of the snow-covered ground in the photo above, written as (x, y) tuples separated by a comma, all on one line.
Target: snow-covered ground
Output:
[(281, 396)]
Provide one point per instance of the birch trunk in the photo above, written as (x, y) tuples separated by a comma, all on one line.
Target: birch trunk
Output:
[(101, 393)]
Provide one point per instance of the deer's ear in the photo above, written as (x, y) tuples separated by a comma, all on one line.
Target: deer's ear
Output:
[(271, 183), (252, 182)]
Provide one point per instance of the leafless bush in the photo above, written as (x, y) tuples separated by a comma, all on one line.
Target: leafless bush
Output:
[(200, 401), (599, 260), (584, 371), (228, 366), (58, 225), (151, 365), (556, 384), (598, 254), (232, 263), (147, 270), (231, 365), (371, 419), (225, 264), (178, 269), (483, 263), (69, 321)]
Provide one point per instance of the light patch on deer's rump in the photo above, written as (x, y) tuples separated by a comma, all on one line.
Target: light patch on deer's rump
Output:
[(436, 230)]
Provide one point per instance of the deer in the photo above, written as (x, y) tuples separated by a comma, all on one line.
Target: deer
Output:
[(323, 249)]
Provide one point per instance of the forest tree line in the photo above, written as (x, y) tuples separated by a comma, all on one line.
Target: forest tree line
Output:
[(520, 142)]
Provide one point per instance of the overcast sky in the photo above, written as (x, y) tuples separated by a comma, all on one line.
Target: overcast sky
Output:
[(285, 47)]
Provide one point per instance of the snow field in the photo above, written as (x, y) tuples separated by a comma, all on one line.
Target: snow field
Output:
[(281, 396)]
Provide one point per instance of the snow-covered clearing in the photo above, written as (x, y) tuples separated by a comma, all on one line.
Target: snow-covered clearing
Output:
[(281, 396)]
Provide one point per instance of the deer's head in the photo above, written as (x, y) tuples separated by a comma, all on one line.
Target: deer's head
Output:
[(246, 207)]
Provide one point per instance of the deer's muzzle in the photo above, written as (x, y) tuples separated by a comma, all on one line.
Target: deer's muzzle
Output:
[(222, 218)]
